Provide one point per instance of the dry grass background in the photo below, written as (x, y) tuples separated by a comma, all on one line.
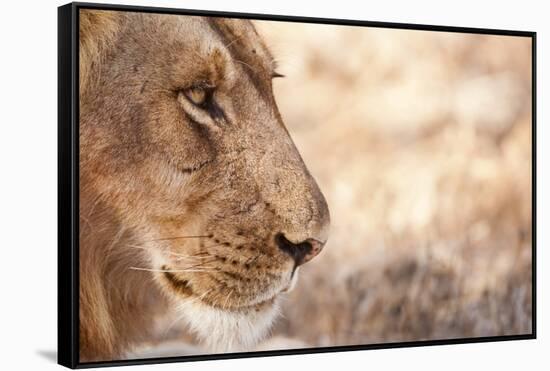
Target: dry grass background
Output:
[(421, 143)]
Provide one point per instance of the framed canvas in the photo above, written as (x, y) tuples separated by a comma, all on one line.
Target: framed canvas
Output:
[(240, 185)]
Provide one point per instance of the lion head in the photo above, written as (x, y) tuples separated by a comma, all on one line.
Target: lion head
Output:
[(190, 184)]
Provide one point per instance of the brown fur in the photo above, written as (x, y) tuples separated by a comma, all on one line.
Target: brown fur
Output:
[(156, 169)]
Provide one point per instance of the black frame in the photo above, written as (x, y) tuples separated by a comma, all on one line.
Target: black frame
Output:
[(68, 183)]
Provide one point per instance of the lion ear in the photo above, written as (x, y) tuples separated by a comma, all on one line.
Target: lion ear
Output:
[(97, 32)]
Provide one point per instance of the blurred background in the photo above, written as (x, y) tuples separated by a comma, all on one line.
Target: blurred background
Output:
[(421, 144)]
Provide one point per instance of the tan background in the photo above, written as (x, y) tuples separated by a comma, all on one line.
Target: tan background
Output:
[(421, 143)]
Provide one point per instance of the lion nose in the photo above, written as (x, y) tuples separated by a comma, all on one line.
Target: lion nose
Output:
[(301, 252)]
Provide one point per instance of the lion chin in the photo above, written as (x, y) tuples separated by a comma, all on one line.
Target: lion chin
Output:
[(228, 331)]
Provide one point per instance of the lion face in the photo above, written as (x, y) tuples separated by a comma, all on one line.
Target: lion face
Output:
[(181, 137)]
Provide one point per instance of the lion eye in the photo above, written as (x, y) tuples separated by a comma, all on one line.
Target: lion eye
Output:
[(196, 95), (202, 96)]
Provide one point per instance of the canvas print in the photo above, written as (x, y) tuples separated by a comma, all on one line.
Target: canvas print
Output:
[(258, 185)]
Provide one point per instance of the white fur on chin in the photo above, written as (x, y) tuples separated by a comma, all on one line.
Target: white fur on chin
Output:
[(223, 331)]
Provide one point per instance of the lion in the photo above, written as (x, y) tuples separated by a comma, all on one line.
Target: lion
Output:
[(193, 197)]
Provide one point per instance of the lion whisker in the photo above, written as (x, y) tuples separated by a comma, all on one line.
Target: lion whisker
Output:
[(246, 64), (170, 270), (199, 264), (232, 42), (211, 246), (204, 294), (190, 260), (224, 306), (178, 318), (177, 238), (186, 256)]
